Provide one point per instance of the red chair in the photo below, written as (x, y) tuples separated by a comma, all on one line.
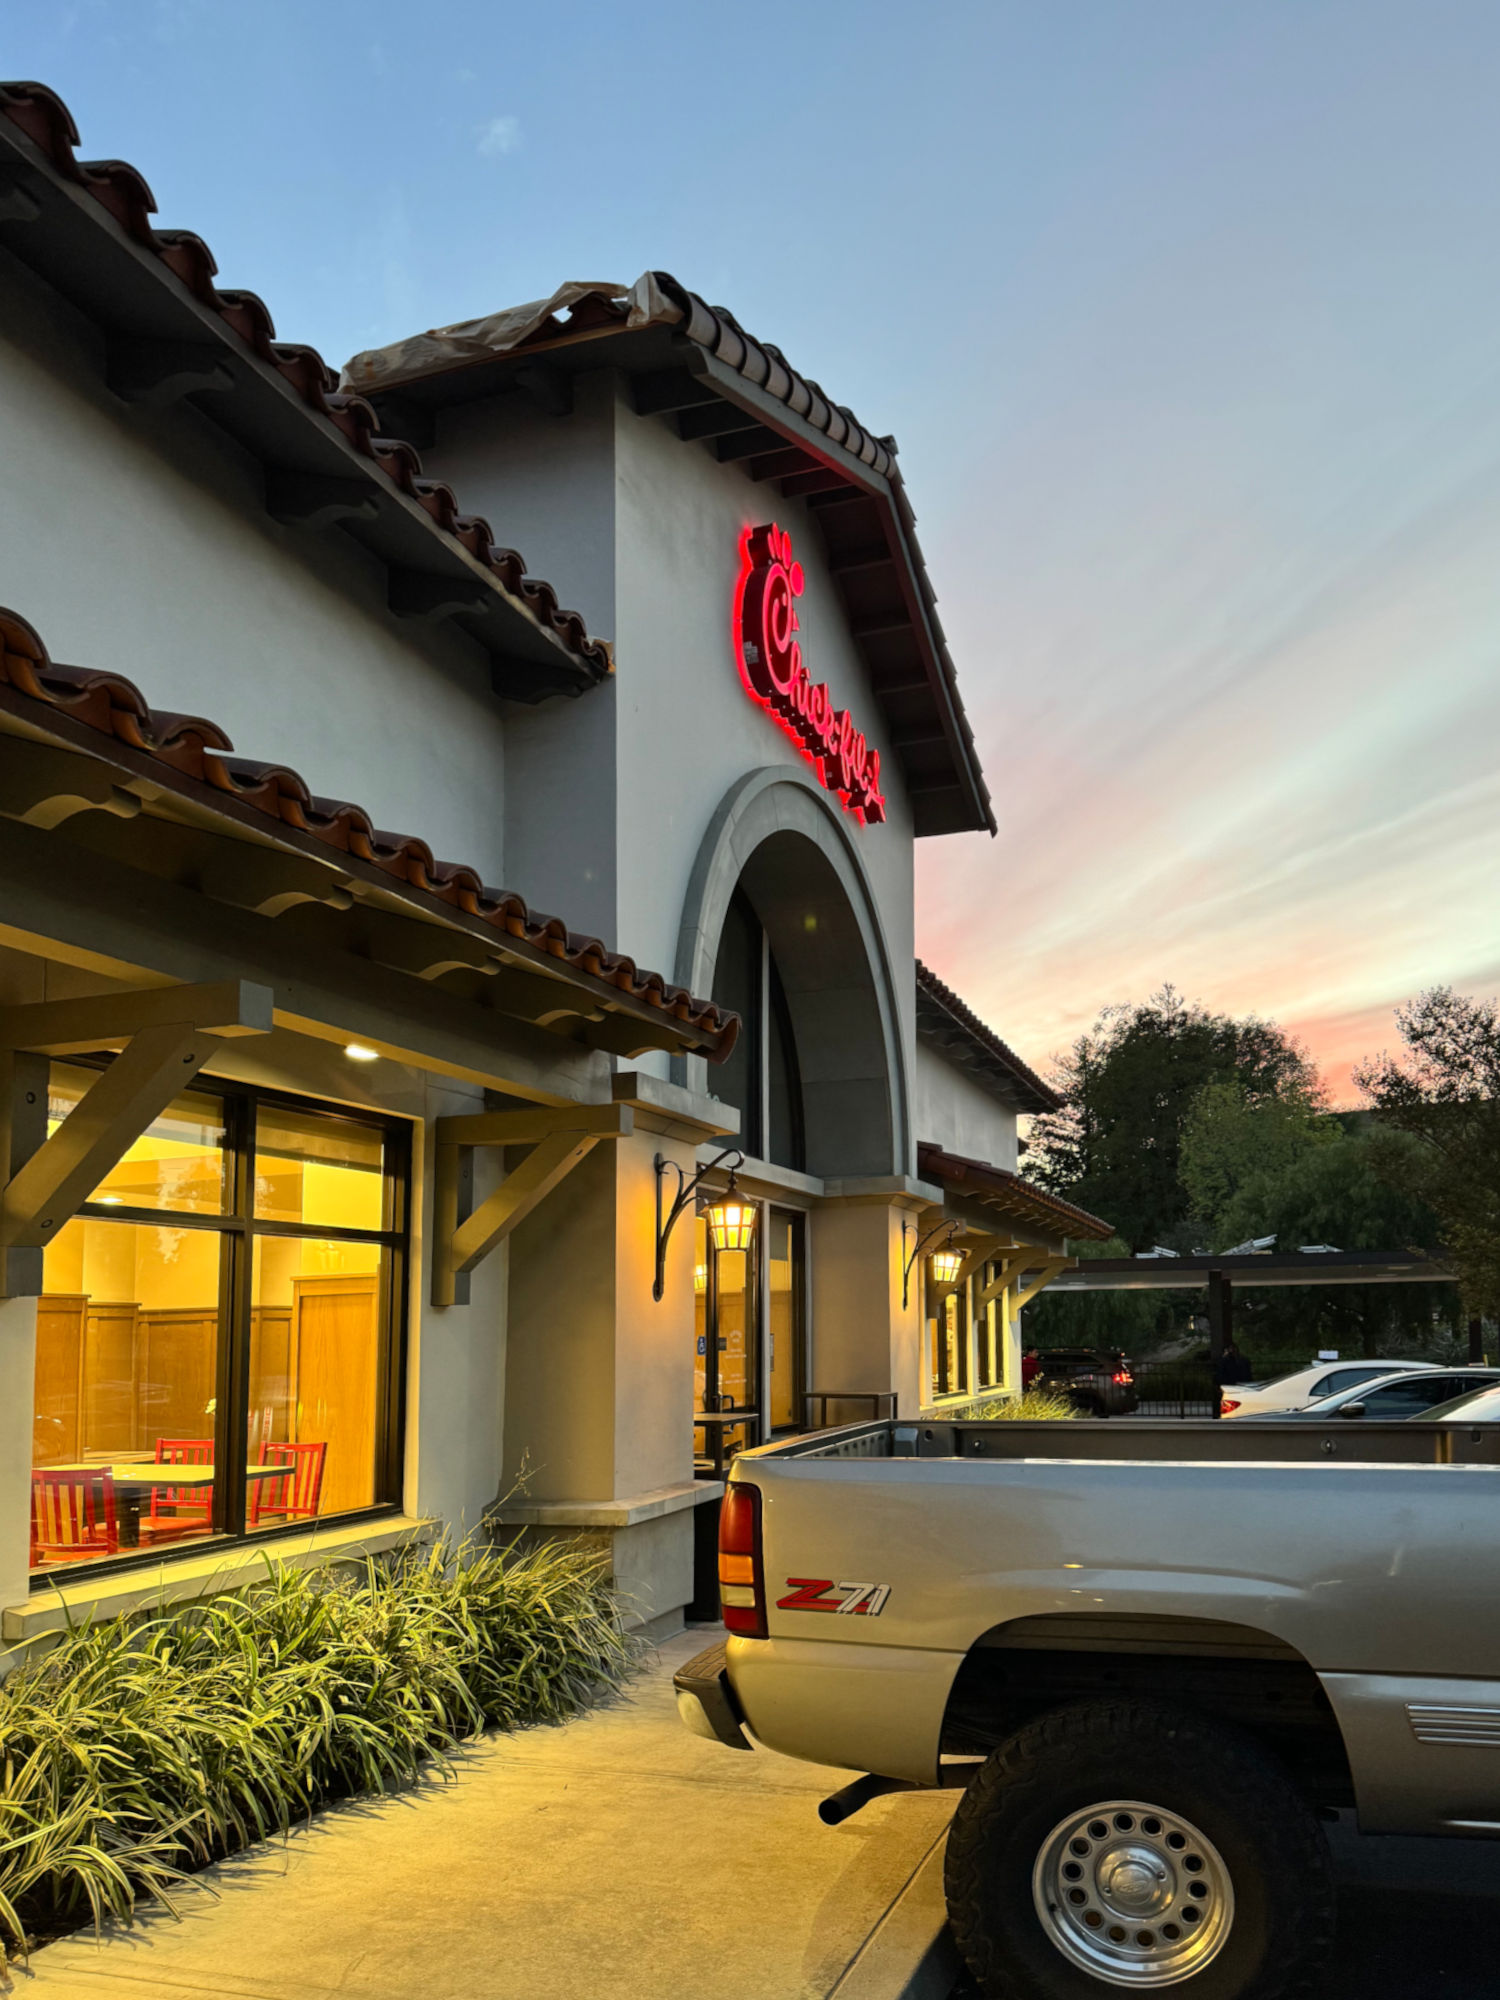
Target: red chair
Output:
[(73, 1514), (180, 1510), (295, 1495)]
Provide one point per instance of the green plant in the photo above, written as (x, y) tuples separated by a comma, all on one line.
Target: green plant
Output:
[(135, 1751), (1035, 1405)]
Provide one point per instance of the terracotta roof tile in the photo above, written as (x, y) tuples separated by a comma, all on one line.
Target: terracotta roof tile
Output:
[(1010, 1193), (122, 192), (199, 750), (947, 1023)]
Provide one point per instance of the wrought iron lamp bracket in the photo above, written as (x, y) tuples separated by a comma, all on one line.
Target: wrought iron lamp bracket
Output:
[(948, 1229), (686, 1189)]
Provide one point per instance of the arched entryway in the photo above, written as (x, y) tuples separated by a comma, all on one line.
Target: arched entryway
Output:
[(780, 919)]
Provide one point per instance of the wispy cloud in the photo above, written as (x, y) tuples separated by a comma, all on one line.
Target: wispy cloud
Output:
[(499, 136)]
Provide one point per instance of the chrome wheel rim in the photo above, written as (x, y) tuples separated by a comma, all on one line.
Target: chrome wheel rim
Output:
[(1133, 1894)]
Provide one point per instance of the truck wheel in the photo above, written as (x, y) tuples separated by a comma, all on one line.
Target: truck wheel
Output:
[(1122, 1845)]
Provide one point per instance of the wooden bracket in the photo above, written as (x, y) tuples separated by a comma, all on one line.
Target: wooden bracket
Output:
[(559, 1136), (1041, 1276), (169, 1032)]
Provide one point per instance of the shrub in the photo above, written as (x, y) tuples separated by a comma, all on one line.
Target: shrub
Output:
[(136, 1751), (1034, 1405)]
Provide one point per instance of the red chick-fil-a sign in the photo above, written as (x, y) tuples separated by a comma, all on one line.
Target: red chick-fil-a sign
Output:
[(770, 662)]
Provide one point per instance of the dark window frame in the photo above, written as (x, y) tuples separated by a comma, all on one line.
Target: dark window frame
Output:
[(238, 1227)]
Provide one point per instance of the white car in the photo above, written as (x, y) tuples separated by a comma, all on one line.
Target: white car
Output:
[(1304, 1386)]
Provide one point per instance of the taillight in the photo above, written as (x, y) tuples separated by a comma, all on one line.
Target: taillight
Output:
[(1227, 1406), (1124, 1378), (742, 1592)]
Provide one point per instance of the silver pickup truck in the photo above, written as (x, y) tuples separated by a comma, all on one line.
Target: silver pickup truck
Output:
[(1154, 1656)]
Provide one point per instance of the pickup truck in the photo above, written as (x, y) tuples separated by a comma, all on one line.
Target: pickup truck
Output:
[(1154, 1656)]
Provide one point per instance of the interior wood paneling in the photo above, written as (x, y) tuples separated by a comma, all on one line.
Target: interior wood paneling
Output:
[(337, 1338), (111, 1331), (178, 1351), (59, 1375)]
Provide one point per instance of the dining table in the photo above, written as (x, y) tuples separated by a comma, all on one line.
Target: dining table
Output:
[(134, 1479)]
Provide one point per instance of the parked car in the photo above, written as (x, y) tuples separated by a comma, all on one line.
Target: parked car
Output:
[(1098, 1379), (1479, 1406), (1147, 1722), (1391, 1400), (1304, 1386)]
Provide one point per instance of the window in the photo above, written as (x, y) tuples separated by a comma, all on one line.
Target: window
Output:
[(785, 1261), (990, 1331), (761, 1078), (219, 1331), (950, 1342)]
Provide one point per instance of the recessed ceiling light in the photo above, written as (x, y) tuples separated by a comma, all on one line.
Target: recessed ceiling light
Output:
[(357, 1052)]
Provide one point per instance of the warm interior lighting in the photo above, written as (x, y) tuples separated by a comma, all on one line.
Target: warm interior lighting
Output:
[(946, 1265), (109, 1200), (731, 1221), (700, 1277), (357, 1052)]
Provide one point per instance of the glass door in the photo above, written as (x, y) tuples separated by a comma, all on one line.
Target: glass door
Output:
[(786, 1264), (726, 1367)]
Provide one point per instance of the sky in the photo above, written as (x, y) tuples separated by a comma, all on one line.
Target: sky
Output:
[(1184, 317)]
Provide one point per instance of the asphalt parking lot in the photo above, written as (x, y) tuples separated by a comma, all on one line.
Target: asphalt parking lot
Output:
[(1418, 1919)]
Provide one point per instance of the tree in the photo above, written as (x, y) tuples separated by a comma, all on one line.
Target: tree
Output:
[(1128, 1086), (1443, 1091), (1346, 1189), (1230, 1141)]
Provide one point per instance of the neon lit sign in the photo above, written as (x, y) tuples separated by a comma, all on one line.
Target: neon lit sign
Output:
[(769, 656)]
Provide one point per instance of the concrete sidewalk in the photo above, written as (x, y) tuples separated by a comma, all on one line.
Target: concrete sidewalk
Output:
[(615, 1858)]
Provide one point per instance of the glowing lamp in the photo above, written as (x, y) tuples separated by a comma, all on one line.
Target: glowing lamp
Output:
[(731, 1221), (700, 1277), (946, 1265)]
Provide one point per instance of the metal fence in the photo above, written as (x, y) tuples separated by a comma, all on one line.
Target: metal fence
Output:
[(1175, 1389)]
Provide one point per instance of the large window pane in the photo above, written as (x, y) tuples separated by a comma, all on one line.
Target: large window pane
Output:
[(326, 1171), (784, 1246), (126, 1389), (314, 1378), (178, 1163)]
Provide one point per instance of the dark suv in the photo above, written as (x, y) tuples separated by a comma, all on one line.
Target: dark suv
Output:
[(1098, 1379)]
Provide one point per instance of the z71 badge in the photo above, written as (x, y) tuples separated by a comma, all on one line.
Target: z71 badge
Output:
[(821, 1593)]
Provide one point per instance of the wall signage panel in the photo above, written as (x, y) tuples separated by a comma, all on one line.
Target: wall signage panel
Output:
[(769, 656)]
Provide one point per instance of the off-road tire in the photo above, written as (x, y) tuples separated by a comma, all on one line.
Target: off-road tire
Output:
[(1223, 1782)]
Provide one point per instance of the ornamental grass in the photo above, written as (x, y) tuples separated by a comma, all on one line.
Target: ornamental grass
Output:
[(136, 1751), (1036, 1404)]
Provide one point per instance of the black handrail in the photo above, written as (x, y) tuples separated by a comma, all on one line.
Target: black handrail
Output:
[(881, 1404)]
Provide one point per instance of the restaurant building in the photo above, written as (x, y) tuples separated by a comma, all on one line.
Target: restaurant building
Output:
[(346, 1194)]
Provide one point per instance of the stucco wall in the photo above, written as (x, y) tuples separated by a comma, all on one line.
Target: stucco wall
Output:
[(951, 1110), (136, 540)]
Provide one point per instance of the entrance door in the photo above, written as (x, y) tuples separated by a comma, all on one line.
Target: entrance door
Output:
[(726, 1367), (786, 1235)]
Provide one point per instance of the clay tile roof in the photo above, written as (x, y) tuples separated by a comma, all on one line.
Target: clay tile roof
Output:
[(1008, 1193), (199, 751), (945, 1023), (122, 192)]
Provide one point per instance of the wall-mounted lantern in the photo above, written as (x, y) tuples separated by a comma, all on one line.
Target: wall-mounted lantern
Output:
[(731, 1220), (947, 1230), (946, 1265), (730, 1217)]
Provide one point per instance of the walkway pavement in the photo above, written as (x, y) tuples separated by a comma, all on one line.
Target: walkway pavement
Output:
[(615, 1858)]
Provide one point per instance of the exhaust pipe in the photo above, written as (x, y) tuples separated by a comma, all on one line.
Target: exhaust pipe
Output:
[(857, 1795)]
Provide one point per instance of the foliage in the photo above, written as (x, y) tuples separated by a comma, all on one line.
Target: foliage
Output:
[(137, 1751), (1231, 1141), (1443, 1091), (1029, 1408), (1128, 1087)]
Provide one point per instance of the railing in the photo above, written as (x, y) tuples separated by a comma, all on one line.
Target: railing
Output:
[(720, 1447), (875, 1404), (1175, 1389)]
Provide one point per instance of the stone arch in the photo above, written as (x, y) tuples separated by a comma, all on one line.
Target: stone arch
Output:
[(776, 837)]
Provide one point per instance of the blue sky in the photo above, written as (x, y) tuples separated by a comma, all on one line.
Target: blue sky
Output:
[(1185, 318)]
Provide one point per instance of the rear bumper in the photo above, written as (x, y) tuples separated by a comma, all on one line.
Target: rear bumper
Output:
[(705, 1701)]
